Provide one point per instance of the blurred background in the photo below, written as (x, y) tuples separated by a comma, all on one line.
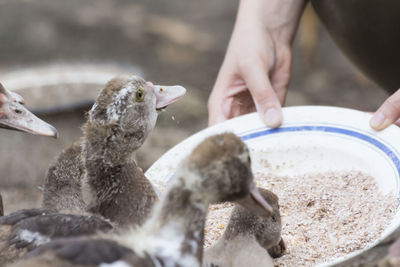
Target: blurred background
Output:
[(58, 54)]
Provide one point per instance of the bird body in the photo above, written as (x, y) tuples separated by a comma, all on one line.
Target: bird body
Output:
[(217, 170), (248, 239), (98, 174)]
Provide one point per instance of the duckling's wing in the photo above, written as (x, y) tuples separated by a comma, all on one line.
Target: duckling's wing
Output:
[(35, 231), (87, 251), (10, 253), (20, 215)]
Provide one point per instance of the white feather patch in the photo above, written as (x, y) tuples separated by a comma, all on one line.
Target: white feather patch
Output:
[(166, 244), (115, 110), (35, 238)]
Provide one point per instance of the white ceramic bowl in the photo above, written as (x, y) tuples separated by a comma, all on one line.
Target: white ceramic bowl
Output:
[(311, 138)]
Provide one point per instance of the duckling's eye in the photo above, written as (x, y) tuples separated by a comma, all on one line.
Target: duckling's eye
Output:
[(139, 95)]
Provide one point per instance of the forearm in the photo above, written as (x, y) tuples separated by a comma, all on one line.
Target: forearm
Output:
[(279, 17)]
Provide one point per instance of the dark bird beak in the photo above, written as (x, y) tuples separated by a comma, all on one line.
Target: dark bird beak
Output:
[(15, 116), (166, 95), (255, 203), (277, 250)]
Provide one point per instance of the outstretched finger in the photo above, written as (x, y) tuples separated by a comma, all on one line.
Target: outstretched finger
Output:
[(264, 96), (388, 113)]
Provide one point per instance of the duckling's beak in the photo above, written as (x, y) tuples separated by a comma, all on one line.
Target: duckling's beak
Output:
[(277, 250), (255, 203), (166, 95), (15, 116)]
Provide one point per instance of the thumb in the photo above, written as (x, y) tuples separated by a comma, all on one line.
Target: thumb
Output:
[(264, 96), (388, 113)]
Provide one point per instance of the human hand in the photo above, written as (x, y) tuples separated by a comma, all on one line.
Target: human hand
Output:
[(388, 113), (256, 69)]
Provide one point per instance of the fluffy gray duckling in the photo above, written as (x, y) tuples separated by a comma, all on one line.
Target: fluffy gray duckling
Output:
[(124, 113), (249, 240), (217, 170), (98, 174)]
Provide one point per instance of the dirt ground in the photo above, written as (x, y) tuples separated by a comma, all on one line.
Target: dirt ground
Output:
[(172, 42)]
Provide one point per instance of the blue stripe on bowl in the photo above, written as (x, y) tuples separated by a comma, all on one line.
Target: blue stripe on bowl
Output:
[(329, 129)]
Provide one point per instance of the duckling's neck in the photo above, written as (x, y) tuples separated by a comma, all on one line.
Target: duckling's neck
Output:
[(105, 157), (109, 145), (114, 184), (236, 228), (178, 220)]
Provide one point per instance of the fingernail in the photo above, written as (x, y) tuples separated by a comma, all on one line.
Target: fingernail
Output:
[(273, 118), (377, 120)]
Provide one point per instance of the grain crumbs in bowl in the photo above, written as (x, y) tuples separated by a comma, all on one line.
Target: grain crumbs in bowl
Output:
[(324, 215)]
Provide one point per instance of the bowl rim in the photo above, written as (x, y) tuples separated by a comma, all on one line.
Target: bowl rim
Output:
[(328, 119)]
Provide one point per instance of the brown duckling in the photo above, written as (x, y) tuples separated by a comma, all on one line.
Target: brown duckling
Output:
[(98, 174), (248, 239), (124, 113), (217, 170)]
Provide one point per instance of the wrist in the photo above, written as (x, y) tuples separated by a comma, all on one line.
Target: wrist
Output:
[(279, 17)]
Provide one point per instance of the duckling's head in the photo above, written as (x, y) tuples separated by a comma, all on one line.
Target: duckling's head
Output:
[(219, 169), (267, 230), (15, 116), (127, 108)]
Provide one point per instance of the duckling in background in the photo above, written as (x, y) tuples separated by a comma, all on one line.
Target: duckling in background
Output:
[(114, 186), (248, 239), (217, 170), (15, 116)]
